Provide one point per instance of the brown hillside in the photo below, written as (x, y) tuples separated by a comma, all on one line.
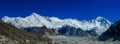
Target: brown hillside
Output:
[(17, 34)]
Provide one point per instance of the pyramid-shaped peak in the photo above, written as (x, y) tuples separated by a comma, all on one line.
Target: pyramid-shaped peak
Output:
[(100, 18), (35, 14)]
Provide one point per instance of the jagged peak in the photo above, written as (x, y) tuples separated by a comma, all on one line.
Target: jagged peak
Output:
[(100, 18), (35, 14)]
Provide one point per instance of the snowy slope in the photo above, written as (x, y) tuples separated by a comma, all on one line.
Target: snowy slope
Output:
[(36, 20)]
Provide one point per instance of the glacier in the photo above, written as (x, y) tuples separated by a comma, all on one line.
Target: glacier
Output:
[(101, 24)]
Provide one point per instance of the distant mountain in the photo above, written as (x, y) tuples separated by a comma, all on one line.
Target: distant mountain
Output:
[(100, 24), (12, 35), (112, 33)]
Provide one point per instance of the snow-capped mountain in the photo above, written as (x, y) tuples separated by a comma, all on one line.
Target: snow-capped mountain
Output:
[(101, 24)]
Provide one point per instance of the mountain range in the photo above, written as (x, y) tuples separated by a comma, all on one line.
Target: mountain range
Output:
[(99, 25), (37, 29)]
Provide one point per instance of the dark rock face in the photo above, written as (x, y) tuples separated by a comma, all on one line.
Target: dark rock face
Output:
[(113, 32), (71, 31), (40, 30), (65, 30)]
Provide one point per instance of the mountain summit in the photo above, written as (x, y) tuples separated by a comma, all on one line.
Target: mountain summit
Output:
[(100, 24)]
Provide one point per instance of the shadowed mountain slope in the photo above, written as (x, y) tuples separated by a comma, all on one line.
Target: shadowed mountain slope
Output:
[(112, 33), (13, 33)]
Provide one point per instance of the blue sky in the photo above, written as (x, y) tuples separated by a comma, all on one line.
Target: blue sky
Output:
[(76, 9)]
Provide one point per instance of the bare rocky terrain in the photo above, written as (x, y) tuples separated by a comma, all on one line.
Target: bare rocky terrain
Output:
[(80, 40), (11, 35)]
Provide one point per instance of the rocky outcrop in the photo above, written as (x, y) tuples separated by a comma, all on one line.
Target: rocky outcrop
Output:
[(112, 33), (71, 31), (41, 30)]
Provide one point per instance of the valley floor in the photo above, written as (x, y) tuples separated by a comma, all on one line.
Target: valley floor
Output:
[(79, 40)]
